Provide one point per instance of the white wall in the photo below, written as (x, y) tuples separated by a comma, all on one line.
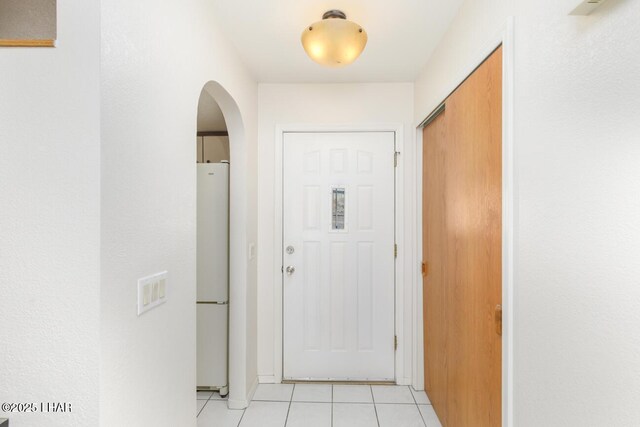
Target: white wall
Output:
[(49, 222), (577, 299), (475, 24), (323, 104), (156, 57)]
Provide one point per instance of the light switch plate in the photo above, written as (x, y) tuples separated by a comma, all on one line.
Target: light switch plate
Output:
[(152, 291)]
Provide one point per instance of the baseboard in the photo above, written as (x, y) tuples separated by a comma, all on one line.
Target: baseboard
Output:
[(252, 390), (267, 379), (403, 381), (243, 404), (237, 404)]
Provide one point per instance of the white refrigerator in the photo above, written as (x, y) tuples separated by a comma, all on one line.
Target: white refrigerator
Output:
[(212, 303)]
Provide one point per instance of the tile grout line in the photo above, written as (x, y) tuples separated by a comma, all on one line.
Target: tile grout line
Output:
[(375, 408), (331, 405), (417, 406), (201, 409), (244, 411), (375, 405), (205, 403), (398, 403), (286, 420)]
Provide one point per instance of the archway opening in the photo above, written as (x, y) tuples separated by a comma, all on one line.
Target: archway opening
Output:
[(212, 135), (221, 235)]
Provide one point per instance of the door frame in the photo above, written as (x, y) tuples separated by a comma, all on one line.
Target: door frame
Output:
[(404, 345), (509, 215)]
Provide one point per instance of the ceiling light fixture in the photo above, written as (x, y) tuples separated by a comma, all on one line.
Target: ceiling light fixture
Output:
[(334, 41)]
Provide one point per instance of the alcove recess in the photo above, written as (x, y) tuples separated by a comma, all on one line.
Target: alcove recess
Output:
[(27, 23)]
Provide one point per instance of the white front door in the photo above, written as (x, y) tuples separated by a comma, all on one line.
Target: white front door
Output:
[(338, 255)]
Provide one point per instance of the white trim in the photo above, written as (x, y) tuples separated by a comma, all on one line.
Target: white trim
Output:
[(244, 403), (267, 379), (418, 327), (252, 389), (278, 245), (238, 403), (403, 344), (509, 217)]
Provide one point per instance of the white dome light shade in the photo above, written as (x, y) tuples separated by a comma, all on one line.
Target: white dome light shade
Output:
[(334, 41)]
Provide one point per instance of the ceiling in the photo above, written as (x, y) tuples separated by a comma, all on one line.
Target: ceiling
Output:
[(402, 35)]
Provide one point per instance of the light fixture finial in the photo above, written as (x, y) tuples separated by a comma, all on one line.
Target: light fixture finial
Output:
[(335, 13)]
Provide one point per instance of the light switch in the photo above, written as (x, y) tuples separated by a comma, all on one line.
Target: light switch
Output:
[(152, 291), (163, 283), (147, 294)]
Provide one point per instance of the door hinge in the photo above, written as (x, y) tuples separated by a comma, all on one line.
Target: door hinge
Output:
[(395, 159), (425, 269), (395, 342), (395, 250)]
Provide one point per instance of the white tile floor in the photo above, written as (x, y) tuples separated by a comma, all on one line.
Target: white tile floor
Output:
[(322, 405)]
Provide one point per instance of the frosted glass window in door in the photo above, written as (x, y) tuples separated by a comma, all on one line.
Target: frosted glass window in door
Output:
[(338, 208)]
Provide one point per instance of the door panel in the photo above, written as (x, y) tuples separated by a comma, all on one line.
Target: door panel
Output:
[(338, 216), (462, 246), (212, 254), (212, 338), (434, 244)]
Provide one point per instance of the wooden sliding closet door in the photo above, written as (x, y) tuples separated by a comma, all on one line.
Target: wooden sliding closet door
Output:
[(462, 252)]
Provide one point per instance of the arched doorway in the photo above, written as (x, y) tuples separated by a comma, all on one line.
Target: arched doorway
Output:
[(226, 138)]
